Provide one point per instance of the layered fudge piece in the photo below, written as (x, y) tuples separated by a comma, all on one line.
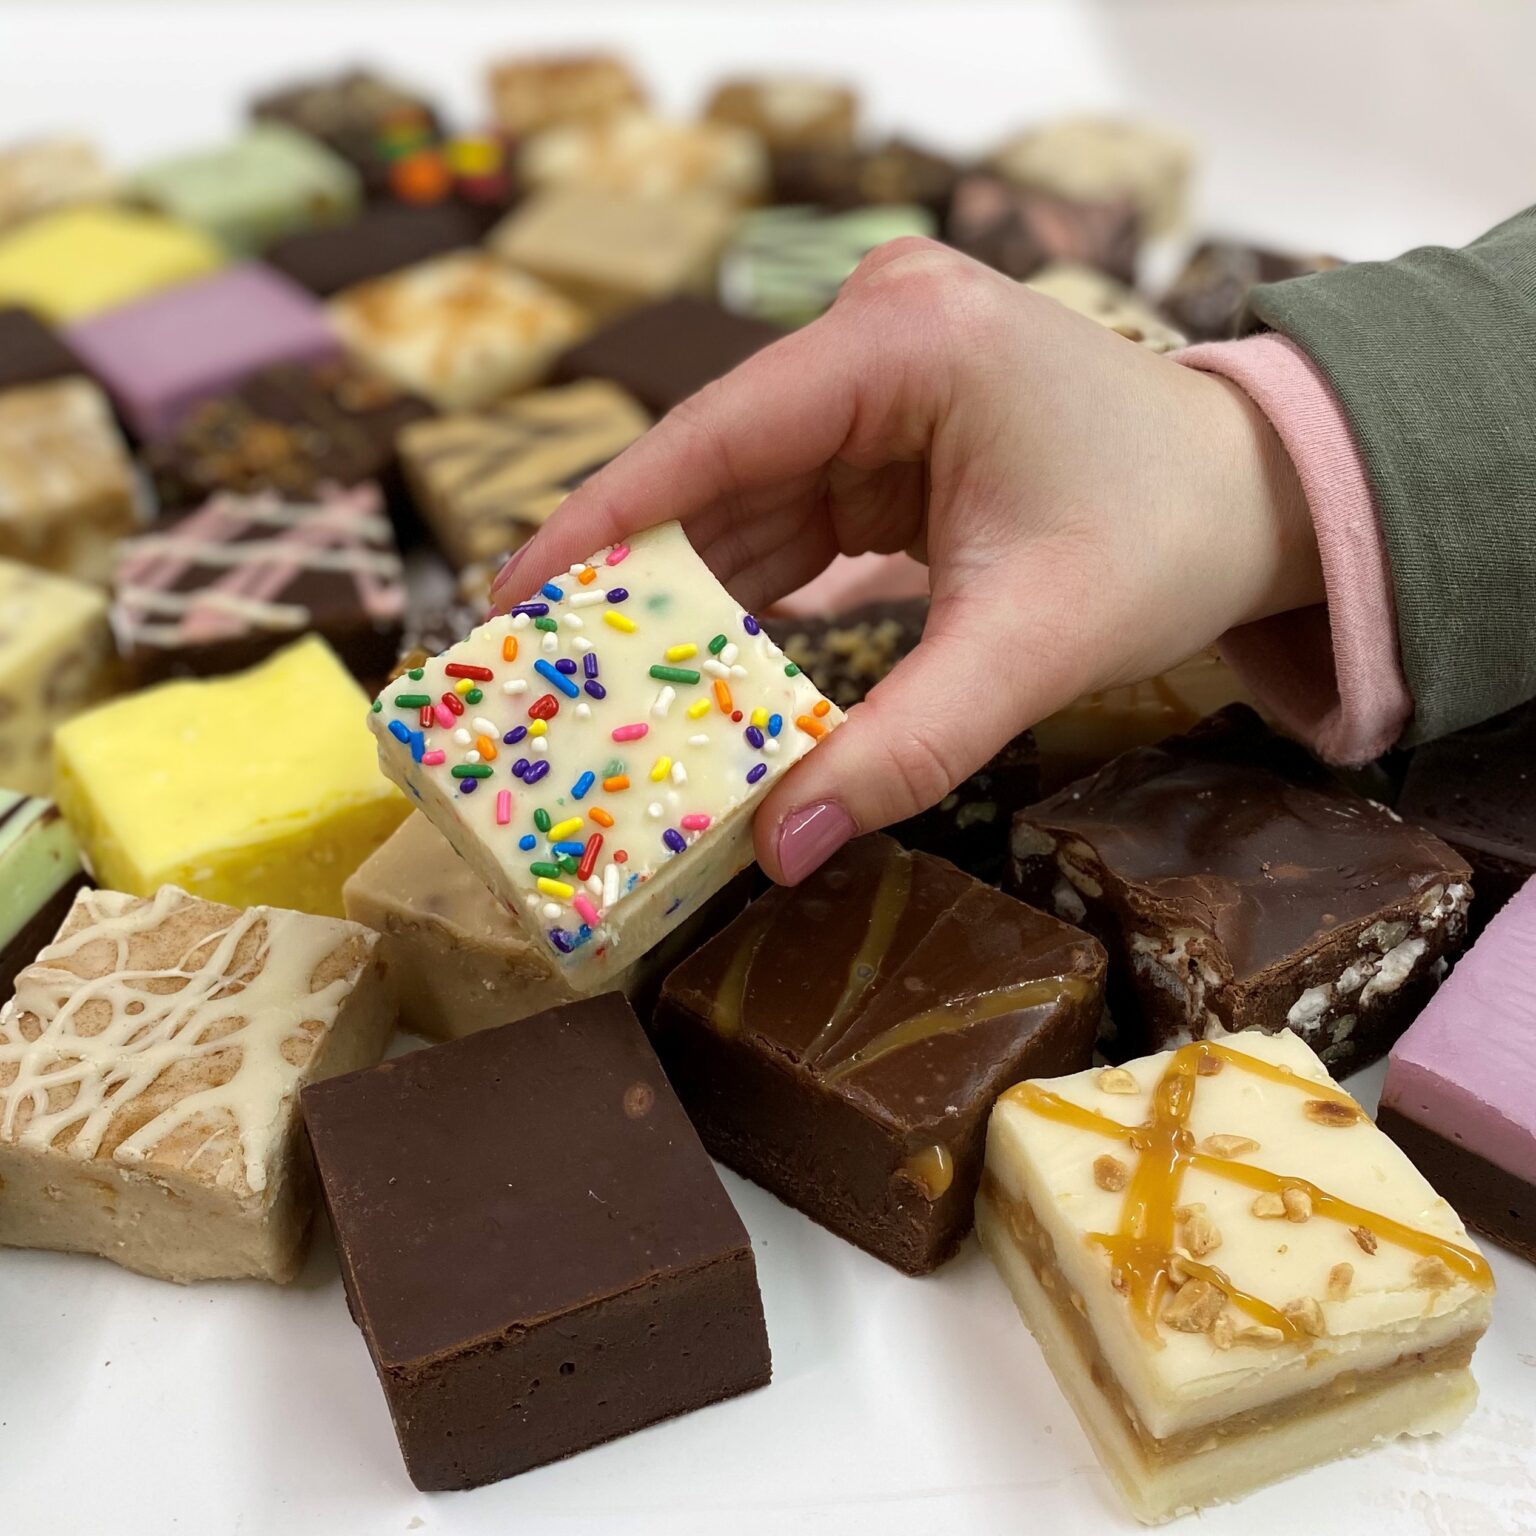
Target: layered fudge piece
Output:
[(534, 1244), (1460, 1095), (1018, 230), (40, 875), (1207, 297), (161, 356), (485, 482), (896, 171), (665, 352), (244, 575), (1112, 304), (1236, 885), (596, 754), (535, 92), (1232, 1273), (843, 1042), (459, 330), (42, 174), (250, 789), (150, 1068), (788, 112), (32, 351), (383, 239)]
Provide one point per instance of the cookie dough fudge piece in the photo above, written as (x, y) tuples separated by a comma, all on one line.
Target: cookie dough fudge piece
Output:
[(1112, 304), (39, 876), (534, 92)]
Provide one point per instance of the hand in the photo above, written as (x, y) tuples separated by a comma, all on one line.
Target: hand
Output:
[(1090, 513)]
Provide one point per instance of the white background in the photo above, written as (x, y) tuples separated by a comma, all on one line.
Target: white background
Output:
[(898, 1407)]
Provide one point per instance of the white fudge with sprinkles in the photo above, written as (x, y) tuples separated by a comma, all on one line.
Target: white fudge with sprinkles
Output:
[(596, 754)]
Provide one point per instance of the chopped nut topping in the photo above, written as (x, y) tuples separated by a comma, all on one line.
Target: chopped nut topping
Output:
[(1433, 1273), (1076, 1298), (1365, 1238), (1222, 1145), (1201, 1236), (1178, 1271), (1330, 1112), (1223, 1330), (1307, 1315), (1260, 1335), (1297, 1203), (1340, 1278), (1110, 1173), (1195, 1307), (1117, 1080), (1269, 1206), (1184, 1212), (1209, 1066), (1118, 1281)]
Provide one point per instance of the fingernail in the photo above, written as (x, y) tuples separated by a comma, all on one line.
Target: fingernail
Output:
[(504, 575), (810, 836)]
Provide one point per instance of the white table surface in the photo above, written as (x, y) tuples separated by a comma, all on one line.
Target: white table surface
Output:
[(899, 1407)]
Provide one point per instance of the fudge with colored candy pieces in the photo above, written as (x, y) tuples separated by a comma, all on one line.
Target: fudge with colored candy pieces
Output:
[(257, 788), (383, 238), (41, 174), (535, 1247), (1237, 885), (1207, 297), (1112, 304), (893, 172), (788, 112), (150, 1068), (1231, 1272), (1019, 230), (596, 754), (843, 1041), (535, 92), (32, 351), (1460, 1094), (39, 876)]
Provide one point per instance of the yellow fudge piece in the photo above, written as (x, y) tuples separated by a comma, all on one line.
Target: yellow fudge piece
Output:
[(261, 788)]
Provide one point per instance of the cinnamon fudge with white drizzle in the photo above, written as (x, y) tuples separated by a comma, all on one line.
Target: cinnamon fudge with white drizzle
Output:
[(1232, 1273), (1237, 884), (150, 1067), (595, 754)]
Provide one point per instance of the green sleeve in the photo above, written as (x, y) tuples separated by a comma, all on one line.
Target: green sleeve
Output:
[(1433, 360)]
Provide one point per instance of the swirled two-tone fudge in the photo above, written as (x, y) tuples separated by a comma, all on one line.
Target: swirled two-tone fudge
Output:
[(150, 1067), (1231, 1272), (39, 876), (1236, 885)]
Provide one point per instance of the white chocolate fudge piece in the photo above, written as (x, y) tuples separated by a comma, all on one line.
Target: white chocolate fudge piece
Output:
[(1232, 1273), (1112, 304), (596, 755), (150, 1068)]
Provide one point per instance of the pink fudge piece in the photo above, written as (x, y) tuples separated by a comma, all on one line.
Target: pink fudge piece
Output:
[(162, 355)]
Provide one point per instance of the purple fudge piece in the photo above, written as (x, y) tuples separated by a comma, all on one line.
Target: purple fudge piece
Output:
[(160, 357)]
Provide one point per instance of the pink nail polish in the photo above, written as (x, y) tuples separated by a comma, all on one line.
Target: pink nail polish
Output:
[(808, 837), (505, 574)]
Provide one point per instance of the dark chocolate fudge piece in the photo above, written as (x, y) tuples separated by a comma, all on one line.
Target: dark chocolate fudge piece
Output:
[(842, 1042), (386, 237), (534, 1244), (1208, 295), (1237, 885), (31, 351), (894, 172), (1018, 230)]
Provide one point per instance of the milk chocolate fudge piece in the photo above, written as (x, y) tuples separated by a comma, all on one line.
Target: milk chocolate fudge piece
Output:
[(39, 876), (842, 1042), (1207, 296), (535, 1246), (894, 172), (31, 351), (1236, 885), (383, 239), (1018, 230)]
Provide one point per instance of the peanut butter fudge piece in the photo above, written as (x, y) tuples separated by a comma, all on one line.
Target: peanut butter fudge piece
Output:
[(1232, 1273), (788, 112), (39, 876), (537, 91), (1112, 304), (150, 1068)]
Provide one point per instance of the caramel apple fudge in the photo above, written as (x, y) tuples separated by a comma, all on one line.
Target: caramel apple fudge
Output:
[(39, 876), (596, 754), (1232, 1273)]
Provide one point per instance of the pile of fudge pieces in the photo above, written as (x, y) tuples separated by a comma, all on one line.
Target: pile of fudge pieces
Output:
[(271, 412)]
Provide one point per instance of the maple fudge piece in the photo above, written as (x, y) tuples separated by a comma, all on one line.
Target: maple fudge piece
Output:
[(1019, 230), (1237, 885), (150, 1068), (896, 171), (161, 356), (38, 175), (536, 1248), (244, 575), (1112, 304), (384, 238), (66, 482), (788, 112), (1231, 1272), (1207, 297), (75, 262), (255, 788), (486, 482), (842, 1042), (459, 330), (535, 92), (56, 658), (1460, 1094), (628, 718), (31, 351), (39, 876)]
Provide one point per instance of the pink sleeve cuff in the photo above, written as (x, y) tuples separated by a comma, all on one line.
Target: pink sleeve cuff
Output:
[(1331, 675)]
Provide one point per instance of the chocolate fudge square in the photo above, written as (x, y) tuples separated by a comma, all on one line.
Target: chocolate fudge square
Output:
[(842, 1042), (1207, 297), (1237, 885), (536, 1248), (31, 351), (383, 239)]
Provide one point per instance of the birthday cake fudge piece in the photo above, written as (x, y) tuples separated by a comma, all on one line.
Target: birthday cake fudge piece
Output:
[(31, 351), (1112, 304), (534, 92), (1231, 1272), (1237, 885), (259, 788), (42, 174), (1019, 230), (536, 1248), (788, 112), (243, 576), (384, 238), (596, 754), (842, 1042), (485, 482), (896, 171), (1207, 297), (1460, 1095), (150, 1068), (39, 876)]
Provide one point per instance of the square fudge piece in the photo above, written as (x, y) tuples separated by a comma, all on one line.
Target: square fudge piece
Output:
[(39, 876), (42, 174), (383, 239), (31, 351), (896, 171), (1207, 297), (535, 92), (788, 112), (251, 789), (1460, 1095), (1112, 304), (239, 579), (843, 1042), (1236, 885), (150, 1068), (1019, 230), (536, 1248), (629, 717), (460, 330), (66, 482), (1232, 1273), (486, 482)]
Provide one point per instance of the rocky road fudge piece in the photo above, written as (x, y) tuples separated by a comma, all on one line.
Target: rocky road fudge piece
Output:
[(535, 1246), (1460, 1095), (596, 755), (384, 238), (1208, 295), (1019, 230), (1231, 1272), (254, 788), (39, 876), (896, 171), (1236, 885), (150, 1068), (41, 174), (1112, 304), (788, 112), (535, 92), (31, 351)]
